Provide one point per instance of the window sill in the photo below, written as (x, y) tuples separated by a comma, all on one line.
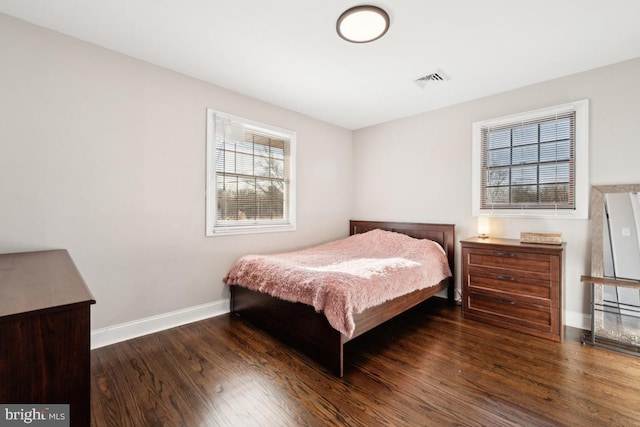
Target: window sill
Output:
[(254, 229), (530, 213)]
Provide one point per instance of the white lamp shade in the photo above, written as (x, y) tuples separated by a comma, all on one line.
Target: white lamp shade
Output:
[(484, 227)]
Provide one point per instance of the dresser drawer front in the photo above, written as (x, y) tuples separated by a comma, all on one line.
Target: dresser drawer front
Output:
[(527, 315), (526, 288), (521, 264)]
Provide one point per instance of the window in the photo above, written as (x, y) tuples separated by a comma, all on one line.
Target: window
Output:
[(250, 176), (532, 164)]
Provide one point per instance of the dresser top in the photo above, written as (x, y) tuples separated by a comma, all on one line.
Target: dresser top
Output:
[(36, 281), (498, 241)]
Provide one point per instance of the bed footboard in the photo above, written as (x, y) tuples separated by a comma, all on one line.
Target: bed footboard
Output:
[(301, 327), (297, 325)]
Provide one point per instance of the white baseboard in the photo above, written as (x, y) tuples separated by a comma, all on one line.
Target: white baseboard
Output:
[(577, 320), (126, 331), (137, 328)]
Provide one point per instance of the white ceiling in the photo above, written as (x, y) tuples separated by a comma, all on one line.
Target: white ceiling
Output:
[(286, 52)]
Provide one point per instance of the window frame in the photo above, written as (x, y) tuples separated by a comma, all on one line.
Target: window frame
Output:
[(213, 225), (581, 163)]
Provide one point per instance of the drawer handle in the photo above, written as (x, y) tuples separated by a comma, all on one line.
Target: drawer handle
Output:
[(506, 254), (509, 278), (506, 301)]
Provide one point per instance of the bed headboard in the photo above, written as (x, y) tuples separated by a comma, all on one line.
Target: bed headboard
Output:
[(444, 234)]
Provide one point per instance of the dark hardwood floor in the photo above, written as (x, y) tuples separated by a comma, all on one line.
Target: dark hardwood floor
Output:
[(426, 367)]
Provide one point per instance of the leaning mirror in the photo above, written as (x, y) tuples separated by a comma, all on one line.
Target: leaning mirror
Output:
[(615, 267)]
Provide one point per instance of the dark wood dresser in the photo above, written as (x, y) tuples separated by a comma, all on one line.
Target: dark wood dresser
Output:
[(45, 332), (513, 285)]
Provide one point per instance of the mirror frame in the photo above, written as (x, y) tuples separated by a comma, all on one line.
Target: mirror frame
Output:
[(597, 270)]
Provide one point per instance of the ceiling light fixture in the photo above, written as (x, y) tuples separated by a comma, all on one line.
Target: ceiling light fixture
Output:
[(362, 24)]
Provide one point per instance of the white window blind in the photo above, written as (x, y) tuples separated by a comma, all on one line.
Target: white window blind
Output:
[(529, 164), (533, 164), (250, 176)]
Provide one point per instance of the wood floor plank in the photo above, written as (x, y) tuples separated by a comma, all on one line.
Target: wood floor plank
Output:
[(426, 367)]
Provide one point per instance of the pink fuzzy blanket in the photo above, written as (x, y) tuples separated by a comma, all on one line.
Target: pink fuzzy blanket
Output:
[(345, 276)]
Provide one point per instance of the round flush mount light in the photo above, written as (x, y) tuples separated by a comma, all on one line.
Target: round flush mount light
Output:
[(362, 24)]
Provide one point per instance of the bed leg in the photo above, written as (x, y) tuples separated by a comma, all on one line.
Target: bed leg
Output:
[(337, 360), (451, 291)]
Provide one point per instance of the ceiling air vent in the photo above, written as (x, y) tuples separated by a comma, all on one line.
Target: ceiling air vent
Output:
[(430, 78)]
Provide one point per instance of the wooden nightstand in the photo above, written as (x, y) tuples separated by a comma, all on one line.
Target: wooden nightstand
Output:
[(513, 285)]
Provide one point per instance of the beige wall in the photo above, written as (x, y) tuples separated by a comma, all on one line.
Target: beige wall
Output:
[(104, 155), (419, 168)]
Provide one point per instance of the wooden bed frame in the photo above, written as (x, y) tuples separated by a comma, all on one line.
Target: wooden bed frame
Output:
[(301, 327)]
